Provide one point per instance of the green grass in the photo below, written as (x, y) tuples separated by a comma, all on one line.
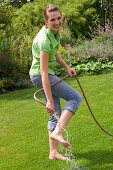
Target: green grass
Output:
[(24, 135)]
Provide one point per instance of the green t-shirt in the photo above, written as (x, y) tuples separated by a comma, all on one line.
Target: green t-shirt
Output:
[(45, 41)]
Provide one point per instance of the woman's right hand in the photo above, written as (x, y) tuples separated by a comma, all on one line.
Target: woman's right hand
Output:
[(50, 107)]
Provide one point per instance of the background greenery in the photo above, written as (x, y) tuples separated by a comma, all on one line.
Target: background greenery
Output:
[(23, 129), (86, 37)]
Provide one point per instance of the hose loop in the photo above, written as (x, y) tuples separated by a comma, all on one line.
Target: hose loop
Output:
[(84, 98)]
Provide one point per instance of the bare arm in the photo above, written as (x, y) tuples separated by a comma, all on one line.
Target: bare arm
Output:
[(60, 61), (44, 57)]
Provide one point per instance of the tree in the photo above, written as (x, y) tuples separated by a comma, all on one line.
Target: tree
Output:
[(107, 8), (20, 3), (6, 13)]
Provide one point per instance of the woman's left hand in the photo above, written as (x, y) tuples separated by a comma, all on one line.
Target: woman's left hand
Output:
[(71, 71)]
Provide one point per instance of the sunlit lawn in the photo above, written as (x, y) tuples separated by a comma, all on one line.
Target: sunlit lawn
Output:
[(24, 135)]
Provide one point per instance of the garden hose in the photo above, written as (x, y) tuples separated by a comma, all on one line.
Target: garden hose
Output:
[(84, 98)]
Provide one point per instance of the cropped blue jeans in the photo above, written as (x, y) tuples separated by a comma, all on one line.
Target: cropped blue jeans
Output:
[(60, 90)]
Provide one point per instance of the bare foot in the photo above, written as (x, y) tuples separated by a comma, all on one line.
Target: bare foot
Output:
[(58, 156), (59, 138)]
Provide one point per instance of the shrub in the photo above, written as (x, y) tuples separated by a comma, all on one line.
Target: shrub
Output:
[(98, 49), (11, 74), (22, 51), (93, 56), (26, 25), (66, 36), (94, 68)]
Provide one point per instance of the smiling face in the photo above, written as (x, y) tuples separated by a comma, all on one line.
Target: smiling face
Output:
[(54, 21)]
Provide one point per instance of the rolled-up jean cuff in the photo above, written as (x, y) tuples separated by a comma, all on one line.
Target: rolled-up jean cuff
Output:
[(51, 125), (70, 107)]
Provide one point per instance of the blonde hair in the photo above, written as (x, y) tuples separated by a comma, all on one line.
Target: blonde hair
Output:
[(50, 8)]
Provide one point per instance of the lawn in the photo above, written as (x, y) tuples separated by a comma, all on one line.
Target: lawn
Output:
[(24, 135)]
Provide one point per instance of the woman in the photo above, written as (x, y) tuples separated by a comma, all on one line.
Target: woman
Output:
[(44, 49)]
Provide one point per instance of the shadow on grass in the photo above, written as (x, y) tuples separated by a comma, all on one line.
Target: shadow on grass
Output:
[(99, 157)]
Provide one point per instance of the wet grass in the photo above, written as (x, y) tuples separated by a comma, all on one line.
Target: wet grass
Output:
[(24, 135)]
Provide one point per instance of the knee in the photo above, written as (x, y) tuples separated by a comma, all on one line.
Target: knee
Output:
[(78, 100)]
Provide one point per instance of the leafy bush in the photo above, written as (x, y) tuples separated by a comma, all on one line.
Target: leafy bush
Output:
[(66, 36), (94, 68), (11, 74), (6, 14), (26, 25), (22, 51), (98, 49), (94, 56)]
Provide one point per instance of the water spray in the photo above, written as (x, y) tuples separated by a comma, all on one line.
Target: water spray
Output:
[(68, 152)]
